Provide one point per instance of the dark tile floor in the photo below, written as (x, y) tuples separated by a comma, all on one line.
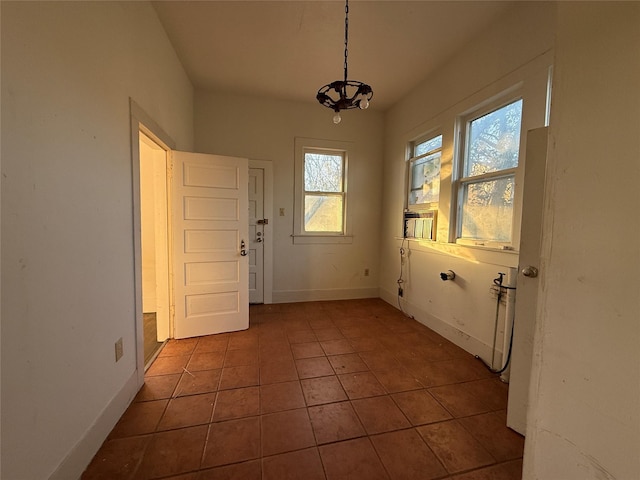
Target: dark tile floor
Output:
[(322, 390)]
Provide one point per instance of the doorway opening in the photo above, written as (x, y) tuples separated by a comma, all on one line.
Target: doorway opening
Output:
[(154, 240)]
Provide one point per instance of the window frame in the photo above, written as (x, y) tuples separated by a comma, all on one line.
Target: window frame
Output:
[(412, 160), (461, 181), (306, 145)]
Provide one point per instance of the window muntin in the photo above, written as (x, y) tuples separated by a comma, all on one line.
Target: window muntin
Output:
[(324, 193), (424, 172), (486, 190)]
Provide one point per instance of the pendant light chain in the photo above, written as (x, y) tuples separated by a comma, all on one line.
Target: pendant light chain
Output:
[(346, 38), (344, 94)]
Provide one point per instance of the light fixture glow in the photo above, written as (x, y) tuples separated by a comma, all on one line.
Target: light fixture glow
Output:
[(345, 94)]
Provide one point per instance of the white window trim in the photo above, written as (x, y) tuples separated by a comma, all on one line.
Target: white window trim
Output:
[(457, 190), (299, 235)]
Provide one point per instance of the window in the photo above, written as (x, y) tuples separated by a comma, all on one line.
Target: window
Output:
[(486, 186), (321, 214), (323, 191), (424, 172)]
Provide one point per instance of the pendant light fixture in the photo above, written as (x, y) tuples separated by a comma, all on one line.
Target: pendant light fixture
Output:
[(345, 94)]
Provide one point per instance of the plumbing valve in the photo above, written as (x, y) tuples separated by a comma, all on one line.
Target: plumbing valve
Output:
[(448, 275)]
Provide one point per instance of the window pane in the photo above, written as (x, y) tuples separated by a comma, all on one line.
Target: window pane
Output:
[(425, 180), (323, 213), (322, 173), (487, 211), (494, 141), (427, 146)]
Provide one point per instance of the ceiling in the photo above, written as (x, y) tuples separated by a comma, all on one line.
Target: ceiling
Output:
[(289, 49)]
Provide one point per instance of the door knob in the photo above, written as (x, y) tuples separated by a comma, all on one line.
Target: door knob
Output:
[(243, 250), (530, 271)]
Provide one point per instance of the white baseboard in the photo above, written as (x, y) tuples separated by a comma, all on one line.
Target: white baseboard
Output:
[(83, 452), (292, 296), (468, 343)]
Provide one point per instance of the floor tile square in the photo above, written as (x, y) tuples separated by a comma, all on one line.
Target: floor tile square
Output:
[(361, 385), (168, 365), (352, 460), (380, 360), (212, 343), (251, 470), (158, 388), (243, 340), (203, 381), (173, 452), (284, 371), (303, 464), (286, 431), (205, 361), (307, 350), (139, 418), (241, 357), (302, 336), (322, 390), (321, 322), (348, 363), (118, 458), (335, 422), (314, 367), (406, 456), (491, 430), (324, 334), (420, 407), (397, 380), (459, 400), (380, 414), (232, 441), (188, 411), (336, 347), (456, 448), (504, 471), (236, 377), (237, 403), (178, 347), (365, 344), (278, 397)]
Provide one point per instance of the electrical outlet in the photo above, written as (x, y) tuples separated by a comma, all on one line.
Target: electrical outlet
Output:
[(366, 272), (400, 291), (119, 349)]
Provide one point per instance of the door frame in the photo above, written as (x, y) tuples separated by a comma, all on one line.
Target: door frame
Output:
[(140, 121), (267, 167)]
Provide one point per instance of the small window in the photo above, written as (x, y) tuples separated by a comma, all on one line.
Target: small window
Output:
[(424, 173), (321, 212), (487, 185), (323, 191)]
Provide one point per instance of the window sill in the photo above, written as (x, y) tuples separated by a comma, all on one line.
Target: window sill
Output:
[(476, 254), (321, 239)]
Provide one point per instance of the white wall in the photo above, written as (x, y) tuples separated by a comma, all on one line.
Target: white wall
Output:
[(265, 130), (68, 70), (584, 422), (515, 50)]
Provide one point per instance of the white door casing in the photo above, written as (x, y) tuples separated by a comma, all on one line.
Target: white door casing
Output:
[(210, 227), (256, 235), (527, 282)]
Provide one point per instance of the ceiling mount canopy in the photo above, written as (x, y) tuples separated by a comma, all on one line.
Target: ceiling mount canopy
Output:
[(345, 94)]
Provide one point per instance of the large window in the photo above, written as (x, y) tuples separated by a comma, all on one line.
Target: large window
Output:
[(323, 191), (321, 210), (424, 172), (488, 167)]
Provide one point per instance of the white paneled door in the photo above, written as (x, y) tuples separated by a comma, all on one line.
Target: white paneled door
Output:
[(256, 235), (210, 244)]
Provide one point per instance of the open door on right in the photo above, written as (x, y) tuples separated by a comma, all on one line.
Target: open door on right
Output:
[(528, 280)]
